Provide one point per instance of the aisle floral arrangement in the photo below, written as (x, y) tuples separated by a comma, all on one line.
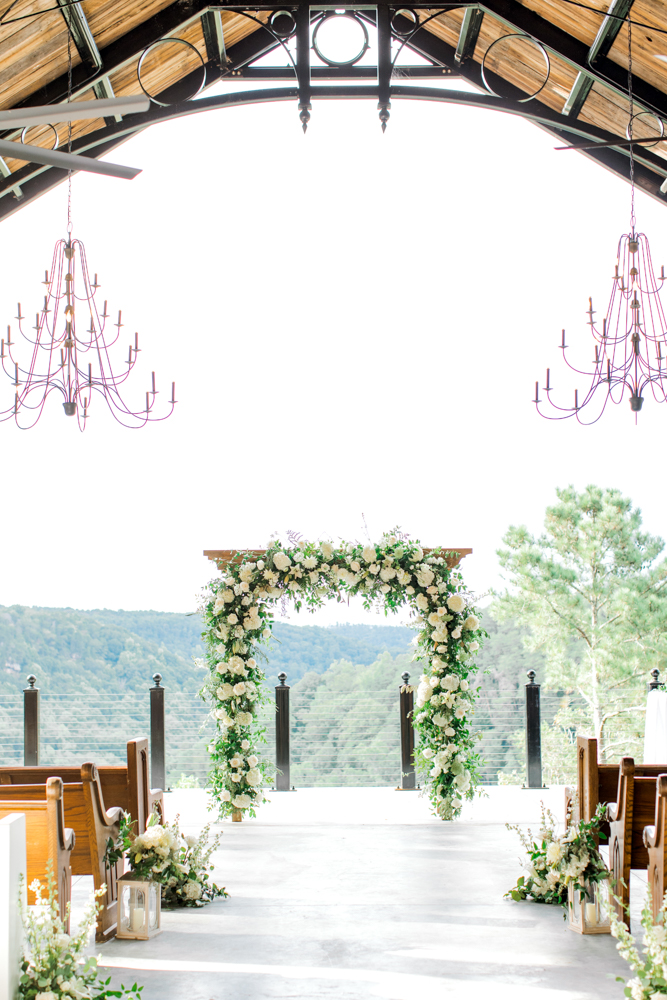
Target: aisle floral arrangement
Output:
[(180, 863), (554, 863), (650, 981), (237, 610), (54, 966)]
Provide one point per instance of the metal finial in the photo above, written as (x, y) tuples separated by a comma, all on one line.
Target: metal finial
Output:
[(405, 677), (282, 678), (157, 678), (32, 680), (304, 115), (656, 683), (384, 115), (531, 676)]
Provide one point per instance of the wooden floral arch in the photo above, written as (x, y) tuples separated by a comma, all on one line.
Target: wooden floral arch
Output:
[(237, 611)]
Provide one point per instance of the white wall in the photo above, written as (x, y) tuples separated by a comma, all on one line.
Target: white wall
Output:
[(12, 866)]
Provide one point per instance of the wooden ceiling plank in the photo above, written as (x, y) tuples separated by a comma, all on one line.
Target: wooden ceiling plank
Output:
[(601, 46)]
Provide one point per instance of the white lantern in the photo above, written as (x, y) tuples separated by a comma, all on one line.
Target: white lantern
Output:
[(589, 915), (138, 907)]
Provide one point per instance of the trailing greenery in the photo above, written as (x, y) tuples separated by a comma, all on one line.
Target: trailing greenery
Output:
[(650, 979)]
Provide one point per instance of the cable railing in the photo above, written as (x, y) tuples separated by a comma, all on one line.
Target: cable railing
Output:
[(330, 738)]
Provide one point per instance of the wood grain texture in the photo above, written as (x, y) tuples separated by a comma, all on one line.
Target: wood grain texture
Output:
[(225, 557), (49, 842)]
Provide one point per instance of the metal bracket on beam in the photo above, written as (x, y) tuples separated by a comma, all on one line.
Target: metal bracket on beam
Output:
[(103, 90), (82, 36), (6, 172), (470, 28), (384, 63), (303, 62), (214, 37), (604, 40)]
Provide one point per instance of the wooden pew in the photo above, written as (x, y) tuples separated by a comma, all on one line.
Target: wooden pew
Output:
[(47, 840), (93, 826), (634, 809), (655, 840), (126, 787)]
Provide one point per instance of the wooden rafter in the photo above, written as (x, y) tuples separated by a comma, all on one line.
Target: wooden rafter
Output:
[(226, 557)]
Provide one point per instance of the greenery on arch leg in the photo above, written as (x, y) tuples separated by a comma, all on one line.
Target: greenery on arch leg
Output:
[(238, 611)]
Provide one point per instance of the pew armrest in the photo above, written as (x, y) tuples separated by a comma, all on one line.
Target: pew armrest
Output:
[(612, 812), (649, 836), (69, 839)]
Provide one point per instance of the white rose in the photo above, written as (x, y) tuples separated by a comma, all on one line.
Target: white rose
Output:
[(471, 622), (439, 720), (425, 577), (456, 803), (369, 554), (294, 585), (239, 688), (245, 745), (422, 602), (192, 890), (327, 549), (464, 685), (554, 853), (236, 761), (409, 590), (424, 692), (428, 753), (450, 732), (434, 619), (460, 712), (225, 795), (224, 692), (252, 761), (387, 573), (281, 561), (456, 603), (241, 801), (244, 718), (253, 777), (236, 665), (456, 634), (260, 564), (219, 605), (191, 841), (451, 682), (46, 996), (232, 619), (474, 646)]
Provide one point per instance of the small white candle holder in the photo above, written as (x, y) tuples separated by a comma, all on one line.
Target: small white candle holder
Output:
[(138, 907), (589, 915)]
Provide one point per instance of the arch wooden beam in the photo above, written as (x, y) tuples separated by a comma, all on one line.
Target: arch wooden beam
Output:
[(225, 557)]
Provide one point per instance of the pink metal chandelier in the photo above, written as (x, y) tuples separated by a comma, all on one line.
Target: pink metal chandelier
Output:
[(630, 343), (68, 351)]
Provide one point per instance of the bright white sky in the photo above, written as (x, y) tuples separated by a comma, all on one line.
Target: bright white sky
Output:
[(354, 321)]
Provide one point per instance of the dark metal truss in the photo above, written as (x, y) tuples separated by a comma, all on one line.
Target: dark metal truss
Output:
[(309, 82)]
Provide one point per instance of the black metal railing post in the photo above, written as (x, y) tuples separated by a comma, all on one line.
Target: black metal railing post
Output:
[(406, 706), (31, 723), (158, 769), (282, 735), (533, 735)]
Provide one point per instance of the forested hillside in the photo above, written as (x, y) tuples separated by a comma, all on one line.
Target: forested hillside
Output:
[(94, 669)]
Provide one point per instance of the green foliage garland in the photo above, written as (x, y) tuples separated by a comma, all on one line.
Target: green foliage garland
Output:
[(238, 616)]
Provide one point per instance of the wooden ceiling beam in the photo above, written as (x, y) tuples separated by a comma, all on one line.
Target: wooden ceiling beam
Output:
[(604, 40), (575, 53)]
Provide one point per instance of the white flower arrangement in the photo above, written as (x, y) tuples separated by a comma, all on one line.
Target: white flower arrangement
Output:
[(54, 966), (650, 981), (238, 614)]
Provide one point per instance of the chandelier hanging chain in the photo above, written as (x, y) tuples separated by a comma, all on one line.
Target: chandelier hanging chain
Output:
[(633, 220), (69, 131)]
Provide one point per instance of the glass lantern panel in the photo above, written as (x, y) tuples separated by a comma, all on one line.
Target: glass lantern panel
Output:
[(124, 906), (154, 903), (138, 909)]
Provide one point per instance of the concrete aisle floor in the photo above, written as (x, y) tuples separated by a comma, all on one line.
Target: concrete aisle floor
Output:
[(358, 893)]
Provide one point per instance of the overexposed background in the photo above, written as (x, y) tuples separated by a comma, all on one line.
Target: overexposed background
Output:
[(354, 321)]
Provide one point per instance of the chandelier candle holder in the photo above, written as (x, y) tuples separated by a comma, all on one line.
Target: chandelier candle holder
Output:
[(69, 351), (630, 343)]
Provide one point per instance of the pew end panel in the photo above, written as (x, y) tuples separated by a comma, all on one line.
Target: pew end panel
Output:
[(656, 844), (48, 840), (619, 814)]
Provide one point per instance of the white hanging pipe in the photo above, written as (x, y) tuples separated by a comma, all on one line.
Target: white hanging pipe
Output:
[(51, 114)]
